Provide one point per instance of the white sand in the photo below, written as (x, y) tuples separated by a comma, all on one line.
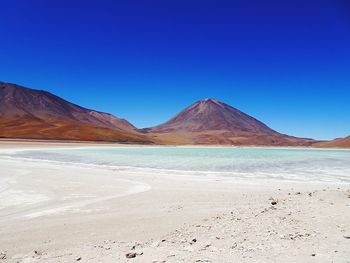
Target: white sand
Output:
[(60, 213)]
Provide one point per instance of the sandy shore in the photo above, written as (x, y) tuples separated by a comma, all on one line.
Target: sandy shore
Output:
[(64, 213)]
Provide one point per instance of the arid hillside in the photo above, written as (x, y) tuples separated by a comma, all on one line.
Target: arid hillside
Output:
[(337, 143), (36, 114), (212, 122)]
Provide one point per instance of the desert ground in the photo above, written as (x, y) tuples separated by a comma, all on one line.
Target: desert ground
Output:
[(54, 212)]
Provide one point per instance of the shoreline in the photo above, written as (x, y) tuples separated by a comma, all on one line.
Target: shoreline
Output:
[(237, 177), (43, 144)]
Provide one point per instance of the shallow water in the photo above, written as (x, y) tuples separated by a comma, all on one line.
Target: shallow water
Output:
[(262, 163)]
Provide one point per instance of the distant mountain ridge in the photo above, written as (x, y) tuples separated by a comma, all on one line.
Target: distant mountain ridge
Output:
[(30, 113), (18, 101), (337, 143), (36, 114)]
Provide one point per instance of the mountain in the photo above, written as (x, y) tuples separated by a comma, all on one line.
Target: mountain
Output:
[(37, 114), (17, 101), (30, 113), (212, 122), (337, 143), (210, 114)]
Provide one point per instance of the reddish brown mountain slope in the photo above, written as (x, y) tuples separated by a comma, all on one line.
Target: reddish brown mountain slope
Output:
[(212, 122), (29, 113), (337, 143), (17, 101)]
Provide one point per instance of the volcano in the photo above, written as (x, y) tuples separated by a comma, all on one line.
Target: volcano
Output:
[(210, 121)]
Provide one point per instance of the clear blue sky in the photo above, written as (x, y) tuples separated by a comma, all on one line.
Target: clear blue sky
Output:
[(286, 62)]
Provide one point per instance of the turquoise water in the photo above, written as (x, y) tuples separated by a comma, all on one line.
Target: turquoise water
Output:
[(263, 163)]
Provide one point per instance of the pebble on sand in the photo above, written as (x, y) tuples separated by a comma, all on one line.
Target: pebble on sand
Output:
[(131, 255), (3, 255)]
